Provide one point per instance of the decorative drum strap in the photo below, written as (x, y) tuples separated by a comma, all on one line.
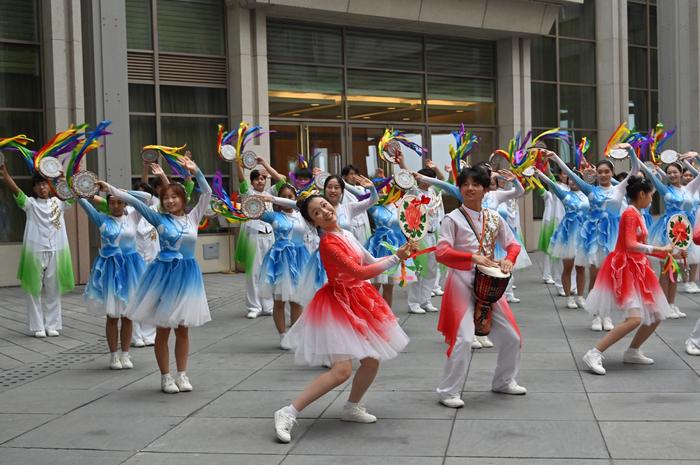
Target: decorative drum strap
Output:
[(480, 237)]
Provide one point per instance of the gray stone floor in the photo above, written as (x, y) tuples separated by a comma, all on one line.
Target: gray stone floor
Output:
[(60, 404)]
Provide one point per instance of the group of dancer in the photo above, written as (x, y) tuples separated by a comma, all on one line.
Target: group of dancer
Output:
[(334, 252)]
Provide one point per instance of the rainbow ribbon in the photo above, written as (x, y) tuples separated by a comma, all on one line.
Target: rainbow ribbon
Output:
[(61, 143), (581, 149), (172, 157), (657, 138), (672, 268), (19, 143), (88, 144), (395, 134), (245, 134), (465, 144), (222, 204), (218, 191), (621, 134)]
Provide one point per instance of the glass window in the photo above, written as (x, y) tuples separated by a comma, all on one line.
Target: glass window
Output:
[(303, 44), (138, 25), (142, 98), (18, 20), (638, 110), (544, 105), (637, 66), (20, 83), (654, 68), (301, 91), (578, 21), (371, 50), (193, 100), (383, 95), (13, 218), (142, 131), (652, 26), (285, 145), (457, 100), (636, 24), (191, 26), (577, 61), (577, 107), (543, 59), (463, 58)]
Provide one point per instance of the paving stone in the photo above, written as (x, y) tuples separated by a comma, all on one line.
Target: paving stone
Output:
[(155, 458), (652, 440), (14, 424), (646, 407), (30, 456)]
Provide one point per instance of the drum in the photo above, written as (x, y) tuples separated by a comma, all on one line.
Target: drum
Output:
[(63, 190), (150, 156), (85, 184), (489, 286), (50, 167), (250, 159), (404, 180)]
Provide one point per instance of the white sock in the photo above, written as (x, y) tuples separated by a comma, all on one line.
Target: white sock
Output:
[(290, 410), (125, 354), (165, 376), (596, 351), (349, 405), (114, 355), (180, 373)]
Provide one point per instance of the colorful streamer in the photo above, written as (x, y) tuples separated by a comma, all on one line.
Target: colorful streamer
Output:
[(465, 143), (61, 143), (621, 134), (19, 143), (88, 144), (398, 136), (172, 156), (581, 149)]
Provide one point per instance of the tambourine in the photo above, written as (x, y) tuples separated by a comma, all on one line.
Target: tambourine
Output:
[(50, 167), (253, 207), (392, 151), (320, 180), (150, 156), (669, 156), (528, 172), (85, 184), (404, 180), (413, 215), (63, 190), (228, 152), (249, 159), (2, 158), (618, 154)]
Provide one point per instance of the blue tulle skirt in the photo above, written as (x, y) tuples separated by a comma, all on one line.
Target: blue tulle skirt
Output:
[(377, 250), (285, 266), (113, 282), (317, 270), (598, 235), (171, 294), (565, 240)]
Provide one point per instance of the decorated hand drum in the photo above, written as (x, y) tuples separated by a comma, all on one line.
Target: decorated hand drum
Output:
[(413, 217), (489, 286), (679, 231)]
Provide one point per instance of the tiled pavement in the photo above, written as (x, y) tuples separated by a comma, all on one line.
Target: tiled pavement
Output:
[(59, 403)]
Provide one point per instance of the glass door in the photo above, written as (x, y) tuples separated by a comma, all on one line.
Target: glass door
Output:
[(321, 145), (364, 150)]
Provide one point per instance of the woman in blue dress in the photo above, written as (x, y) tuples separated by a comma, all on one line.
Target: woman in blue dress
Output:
[(600, 228), (115, 274), (565, 243), (171, 293)]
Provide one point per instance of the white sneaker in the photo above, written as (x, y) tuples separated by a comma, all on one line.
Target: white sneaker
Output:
[(476, 344), (608, 324), (183, 383), (512, 388), (484, 341), (636, 356), (694, 289), (267, 312), (416, 310), (284, 345), (252, 315), (560, 292), (597, 324), (594, 361), (571, 302), (678, 311), (691, 349), (138, 343), (438, 291), (40, 334), (358, 414), (283, 425), (674, 312), (548, 280), (432, 293), (125, 360), (452, 401), (115, 363), (429, 308), (167, 384), (52, 333), (513, 300), (149, 342), (687, 288), (580, 301)]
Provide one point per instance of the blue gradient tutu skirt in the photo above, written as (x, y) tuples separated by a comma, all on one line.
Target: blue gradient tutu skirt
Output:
[(285, 266), (599, 235), (171, 294), (565, 240), (113, 282), (377, 250)]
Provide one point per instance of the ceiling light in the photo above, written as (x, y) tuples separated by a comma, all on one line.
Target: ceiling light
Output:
[(315, 104), (365, 117), (296, 114), (460, 111), (406, 119), (391, 108)]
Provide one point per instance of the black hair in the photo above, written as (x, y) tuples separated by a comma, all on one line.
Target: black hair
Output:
[(38, 179), (157, 182), (254, 175), (480, 174), (304, 205), (636, 185), (676, 164), (337, 178), (303, 173), (429, 172), (347, 168), (608, 163), (621, 176), (144, 187), (286, 186)]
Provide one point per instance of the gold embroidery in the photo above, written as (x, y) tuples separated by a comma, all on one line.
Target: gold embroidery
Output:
[(491, 221), (55, 214)]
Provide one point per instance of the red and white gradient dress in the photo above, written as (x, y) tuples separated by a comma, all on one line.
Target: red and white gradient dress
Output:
[(626, 283), (347, 318)]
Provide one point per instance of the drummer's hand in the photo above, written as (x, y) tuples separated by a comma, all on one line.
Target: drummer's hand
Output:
[(404, 251), (363, 181), (484, 261), (506, 266), (189, 164)]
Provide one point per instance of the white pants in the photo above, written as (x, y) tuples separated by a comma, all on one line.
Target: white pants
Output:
[(505, 339), (557, 268), (46, 313), (695, 335), (143, 332), (253, 301), (437, 285), (547, 271), (509, 289), (419, 291)]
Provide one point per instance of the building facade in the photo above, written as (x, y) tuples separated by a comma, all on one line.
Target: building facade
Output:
[(328, 76)]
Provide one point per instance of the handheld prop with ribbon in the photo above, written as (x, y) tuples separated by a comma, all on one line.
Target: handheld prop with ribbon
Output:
[(656, 139), (465, 143), (61, 143), (387, 147), (581, 149), (679, 234), (172, 157), (224, 205), (88, 144), (18, 144)]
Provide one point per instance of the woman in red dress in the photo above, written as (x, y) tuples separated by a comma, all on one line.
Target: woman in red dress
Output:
[(347, 319), (627, 285)]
